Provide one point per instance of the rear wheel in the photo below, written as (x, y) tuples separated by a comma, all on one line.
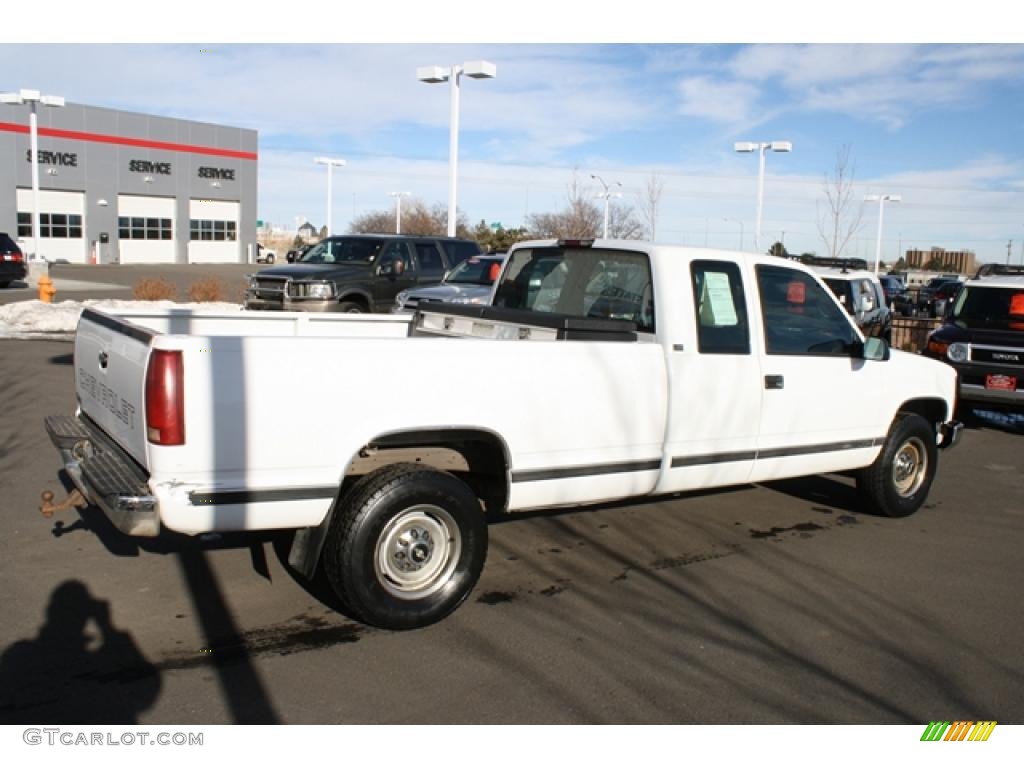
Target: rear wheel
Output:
[(897, 484), (4, 283), (406, 546)]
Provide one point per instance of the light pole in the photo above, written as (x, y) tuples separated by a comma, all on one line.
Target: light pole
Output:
[(33, 98), (762, 147), (607, 195), (330, 162), (881, 214), (398, 209), (478, 70), (740, 222)]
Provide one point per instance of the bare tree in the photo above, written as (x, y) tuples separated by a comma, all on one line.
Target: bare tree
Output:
[(583, 218), (417, 219), (649, 201), (841, 216)]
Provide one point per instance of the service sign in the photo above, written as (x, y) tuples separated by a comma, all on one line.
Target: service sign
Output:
[(146, 166), (206, 172), (49, 157)]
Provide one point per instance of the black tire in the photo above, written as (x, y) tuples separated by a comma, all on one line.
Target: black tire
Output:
[(4, 283), (897, 484), (351, 307), (406, 546)]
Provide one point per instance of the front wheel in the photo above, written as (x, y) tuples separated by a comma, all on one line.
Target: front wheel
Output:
[(406, 546), (350, 307), (897, 484)]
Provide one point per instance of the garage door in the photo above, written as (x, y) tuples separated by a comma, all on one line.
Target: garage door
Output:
[(61, 225), (213, 232), (145, 229)]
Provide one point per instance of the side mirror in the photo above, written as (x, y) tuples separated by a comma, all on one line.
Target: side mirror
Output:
[(875, 349)]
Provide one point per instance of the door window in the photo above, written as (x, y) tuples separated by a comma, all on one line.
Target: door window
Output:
[(800, 317)]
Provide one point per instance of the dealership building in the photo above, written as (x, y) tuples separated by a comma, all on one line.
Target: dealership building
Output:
[(122, 187)]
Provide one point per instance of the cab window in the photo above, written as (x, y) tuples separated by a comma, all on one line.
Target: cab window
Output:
[(800, 317), (720, 307)]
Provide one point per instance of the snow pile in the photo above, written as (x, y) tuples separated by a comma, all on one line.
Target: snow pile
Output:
[(38, 320)]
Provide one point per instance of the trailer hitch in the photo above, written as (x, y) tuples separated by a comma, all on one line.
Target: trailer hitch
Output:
[(74, 499)]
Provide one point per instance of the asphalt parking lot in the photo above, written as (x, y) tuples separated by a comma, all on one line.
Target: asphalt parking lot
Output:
[(770, 604)]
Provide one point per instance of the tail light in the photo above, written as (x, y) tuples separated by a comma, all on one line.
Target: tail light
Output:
[(165, 398)]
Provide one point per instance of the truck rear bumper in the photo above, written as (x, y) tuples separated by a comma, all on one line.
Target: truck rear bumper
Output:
[(105, 475)]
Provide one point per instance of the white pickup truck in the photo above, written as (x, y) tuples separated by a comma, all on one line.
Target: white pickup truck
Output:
[(605, 370)]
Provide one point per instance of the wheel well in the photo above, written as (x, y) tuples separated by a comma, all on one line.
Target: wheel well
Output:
[(356, 298), (477, 457), (931, 409)]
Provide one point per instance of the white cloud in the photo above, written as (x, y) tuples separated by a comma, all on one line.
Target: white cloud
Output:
[(718, 100)]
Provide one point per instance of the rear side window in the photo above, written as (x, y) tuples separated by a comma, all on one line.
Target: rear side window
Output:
[(721, 308), (7, 245), (429, 259), (458, 251), (800, 318)]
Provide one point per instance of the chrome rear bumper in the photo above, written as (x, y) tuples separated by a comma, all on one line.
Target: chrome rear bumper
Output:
[(105, 475)]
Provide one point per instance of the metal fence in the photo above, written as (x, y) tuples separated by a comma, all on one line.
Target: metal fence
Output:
[(911, 333)]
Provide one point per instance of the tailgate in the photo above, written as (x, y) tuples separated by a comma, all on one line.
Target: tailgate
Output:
[(110, 377)]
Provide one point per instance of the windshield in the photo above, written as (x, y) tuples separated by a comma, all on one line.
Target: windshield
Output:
[(581, 282), (1000, 309), (343, 250), (475, 271)]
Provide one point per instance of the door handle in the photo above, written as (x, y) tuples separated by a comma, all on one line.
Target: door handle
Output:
[(774, 382)]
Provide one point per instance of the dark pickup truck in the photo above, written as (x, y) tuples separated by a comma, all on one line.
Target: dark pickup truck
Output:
[(356, 273)]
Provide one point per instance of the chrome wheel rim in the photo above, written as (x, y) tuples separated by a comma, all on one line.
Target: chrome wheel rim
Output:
[(909, 467), (417, 552)]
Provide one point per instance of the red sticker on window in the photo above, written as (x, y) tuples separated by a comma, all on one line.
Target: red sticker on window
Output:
[(493, 274), (796, 292)]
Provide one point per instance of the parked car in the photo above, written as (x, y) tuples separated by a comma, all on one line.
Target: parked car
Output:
[(356, 273), (859, 291), (469, 283), (264, 255), (932, 298), (982, 337), (12, 261), (297, 253)]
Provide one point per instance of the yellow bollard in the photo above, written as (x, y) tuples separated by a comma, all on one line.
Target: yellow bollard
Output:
[(46, 289)]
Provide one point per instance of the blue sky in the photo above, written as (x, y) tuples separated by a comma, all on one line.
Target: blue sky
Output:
[(938, 124)]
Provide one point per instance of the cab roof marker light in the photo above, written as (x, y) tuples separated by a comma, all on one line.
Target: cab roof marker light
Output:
[(575, 243)]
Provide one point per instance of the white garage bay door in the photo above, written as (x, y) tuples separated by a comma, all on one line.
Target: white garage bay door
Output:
[(213, 232), (145, 228)]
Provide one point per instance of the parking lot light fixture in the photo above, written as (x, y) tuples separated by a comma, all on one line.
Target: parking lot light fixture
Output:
[(762, 147), (478, 70), (33, 98), (606, 196), (881, 199), (330, 162), (398, 209)]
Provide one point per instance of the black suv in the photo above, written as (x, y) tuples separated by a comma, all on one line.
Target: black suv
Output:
[(356, 273), (982, 336), (12, 262)]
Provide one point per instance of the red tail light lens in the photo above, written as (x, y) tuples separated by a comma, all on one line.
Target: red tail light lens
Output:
[(165, 398)]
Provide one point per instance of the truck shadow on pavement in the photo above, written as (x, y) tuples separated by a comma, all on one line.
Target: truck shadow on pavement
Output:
[(67, 674)]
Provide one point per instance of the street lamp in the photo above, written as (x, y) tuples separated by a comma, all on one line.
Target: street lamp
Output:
[(33, 98), (881, 213), (740, 222), (607, 198), (330, 162), (398, 209), (762, 147), (478, 70)]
